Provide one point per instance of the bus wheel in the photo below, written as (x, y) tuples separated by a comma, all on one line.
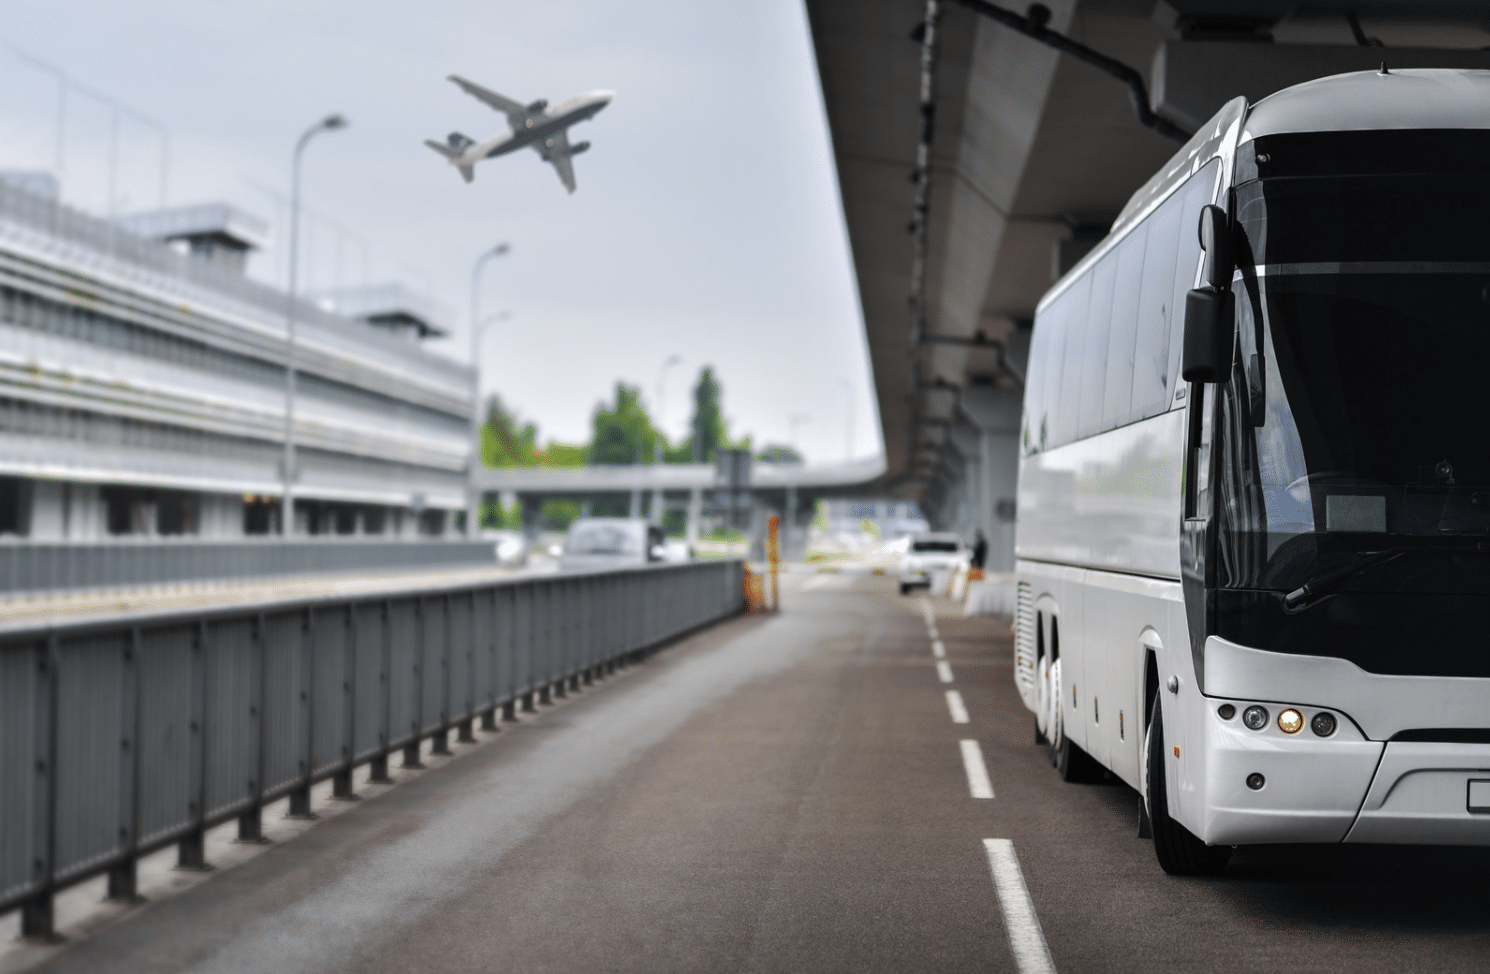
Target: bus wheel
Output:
[(1070, 761), (1180, 853)]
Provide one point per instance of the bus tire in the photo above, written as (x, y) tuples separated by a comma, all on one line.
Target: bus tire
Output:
[(1071, 763), (1179, 852)]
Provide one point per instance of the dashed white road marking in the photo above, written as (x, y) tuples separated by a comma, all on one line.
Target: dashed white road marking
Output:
[(938, 650), (954, 704), (1026, 939), (977, 772), (932, 632), (944, 671)]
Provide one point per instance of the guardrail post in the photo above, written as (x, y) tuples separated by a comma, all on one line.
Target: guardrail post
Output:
[(341, 782), (439, 741), (489, 715), (377, 768), (300, 794), (251, 822), (191, 851), (38, 921), (411, 750), (123, 875)]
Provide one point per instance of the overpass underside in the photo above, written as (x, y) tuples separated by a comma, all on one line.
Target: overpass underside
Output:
[(977, 162)]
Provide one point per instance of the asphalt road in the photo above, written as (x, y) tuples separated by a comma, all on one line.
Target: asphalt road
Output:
[(788, 793)]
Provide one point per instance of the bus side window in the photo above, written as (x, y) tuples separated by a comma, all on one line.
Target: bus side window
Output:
[(1117, 391), (1066, 404), (1094, 346), (1151, 394), (1200, 190)]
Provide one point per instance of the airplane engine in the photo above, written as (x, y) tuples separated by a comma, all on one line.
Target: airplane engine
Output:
[(538, 106), (576, 149)]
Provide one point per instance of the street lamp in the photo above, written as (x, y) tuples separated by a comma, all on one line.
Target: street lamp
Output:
[(287, 505), (668, 363), (473, 490)]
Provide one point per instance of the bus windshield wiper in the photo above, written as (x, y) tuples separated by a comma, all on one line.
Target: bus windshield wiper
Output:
[(1317, 587)]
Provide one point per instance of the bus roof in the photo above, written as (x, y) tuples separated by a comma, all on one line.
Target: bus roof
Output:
[(1412, 98)]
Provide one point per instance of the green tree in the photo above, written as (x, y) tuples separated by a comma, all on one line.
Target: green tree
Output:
[(708, 432), (505, 443), (623, 434)]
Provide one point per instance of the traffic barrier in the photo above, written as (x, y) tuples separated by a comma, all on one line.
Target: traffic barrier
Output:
[(126, 734)]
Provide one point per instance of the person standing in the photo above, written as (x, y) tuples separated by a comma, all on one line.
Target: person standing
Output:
[(980, 552)]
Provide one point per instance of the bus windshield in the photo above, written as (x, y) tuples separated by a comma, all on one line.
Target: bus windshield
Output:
[(1355, 420)]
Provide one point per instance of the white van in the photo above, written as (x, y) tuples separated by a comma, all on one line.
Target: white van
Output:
[(610, 542)]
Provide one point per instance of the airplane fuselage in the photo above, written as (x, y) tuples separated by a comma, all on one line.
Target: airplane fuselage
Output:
[(539, 127)]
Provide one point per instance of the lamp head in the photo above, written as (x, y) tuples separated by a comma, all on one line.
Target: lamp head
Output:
[(333, 122), (500, 249)]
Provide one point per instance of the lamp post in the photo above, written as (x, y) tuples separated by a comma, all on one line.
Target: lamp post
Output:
[(668, 363), (287, 505), (473, 489)]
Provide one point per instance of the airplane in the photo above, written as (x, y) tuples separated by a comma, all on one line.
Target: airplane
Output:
[(544, 129)]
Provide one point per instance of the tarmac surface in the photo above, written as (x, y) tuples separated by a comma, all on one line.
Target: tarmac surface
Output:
[(786, 792)]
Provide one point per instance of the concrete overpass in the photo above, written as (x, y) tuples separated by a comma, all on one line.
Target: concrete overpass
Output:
[(978, 160), (789, 490)]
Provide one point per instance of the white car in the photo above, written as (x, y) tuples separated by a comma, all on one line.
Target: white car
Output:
[(509, 547), (927, 555)]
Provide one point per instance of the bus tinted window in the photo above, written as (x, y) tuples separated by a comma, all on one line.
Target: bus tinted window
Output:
[(1155, 310), (1117, 391), (1034, 385), (1197, 193), (1066, 405), (1094, 346), (1051, 330)]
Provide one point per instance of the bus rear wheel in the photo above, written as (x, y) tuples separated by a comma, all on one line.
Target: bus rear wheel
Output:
[(1179, 852), (1071, 763)]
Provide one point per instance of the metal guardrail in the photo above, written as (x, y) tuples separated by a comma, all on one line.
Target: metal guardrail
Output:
[(42, 567), (124, 735)]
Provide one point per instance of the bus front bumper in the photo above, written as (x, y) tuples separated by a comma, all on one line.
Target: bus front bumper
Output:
[(1428, 794)]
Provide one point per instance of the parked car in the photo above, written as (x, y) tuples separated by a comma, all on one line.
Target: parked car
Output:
[(510, 547), (928, 554), (610, 542)]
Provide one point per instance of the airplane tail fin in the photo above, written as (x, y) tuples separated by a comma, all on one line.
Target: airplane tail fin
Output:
[(452, 149)]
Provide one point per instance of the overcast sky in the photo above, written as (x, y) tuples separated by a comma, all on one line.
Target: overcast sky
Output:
[(707, 222)]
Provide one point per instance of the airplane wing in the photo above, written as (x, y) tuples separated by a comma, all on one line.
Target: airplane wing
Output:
[(501, 103), (556, 150)]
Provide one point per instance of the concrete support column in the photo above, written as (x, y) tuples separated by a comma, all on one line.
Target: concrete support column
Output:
[(695, 514)]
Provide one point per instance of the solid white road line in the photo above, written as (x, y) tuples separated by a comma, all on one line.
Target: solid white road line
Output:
[(938, 650), (944, 671), (977, 773), (954, 704), (1026, 939)]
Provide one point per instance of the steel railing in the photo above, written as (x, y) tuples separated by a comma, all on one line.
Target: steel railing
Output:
[(123, 735), (30, 566)]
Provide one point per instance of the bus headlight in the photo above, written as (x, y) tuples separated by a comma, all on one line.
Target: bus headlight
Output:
[(1255, 717), (1290, 721)]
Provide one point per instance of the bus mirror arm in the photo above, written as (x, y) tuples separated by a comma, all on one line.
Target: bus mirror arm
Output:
[(1215, 240), (1209, 328)]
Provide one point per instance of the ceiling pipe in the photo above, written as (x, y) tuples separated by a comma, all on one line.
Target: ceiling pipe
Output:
[(1033, 27)]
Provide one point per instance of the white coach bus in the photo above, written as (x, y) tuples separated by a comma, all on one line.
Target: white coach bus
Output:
[(1254, 584)]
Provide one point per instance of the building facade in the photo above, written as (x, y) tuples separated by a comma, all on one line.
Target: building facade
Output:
[(142, 391)]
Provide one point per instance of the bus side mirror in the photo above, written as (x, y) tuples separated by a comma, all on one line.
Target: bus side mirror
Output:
[(1209, 334)]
